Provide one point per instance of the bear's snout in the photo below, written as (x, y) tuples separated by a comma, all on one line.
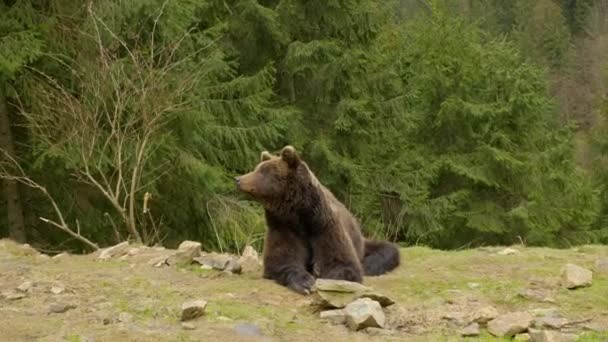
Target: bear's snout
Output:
[(237, 180)]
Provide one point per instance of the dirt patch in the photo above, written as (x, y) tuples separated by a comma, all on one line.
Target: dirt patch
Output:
[(432, 290)]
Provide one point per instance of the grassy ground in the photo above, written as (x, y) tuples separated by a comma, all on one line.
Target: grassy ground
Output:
[(429, 285)]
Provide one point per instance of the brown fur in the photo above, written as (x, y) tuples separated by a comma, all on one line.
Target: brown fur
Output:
[(310, 233)]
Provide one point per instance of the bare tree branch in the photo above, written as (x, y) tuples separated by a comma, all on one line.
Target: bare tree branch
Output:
[(22, 178)]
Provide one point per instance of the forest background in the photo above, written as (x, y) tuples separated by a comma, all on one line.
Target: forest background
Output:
[(447, 123)]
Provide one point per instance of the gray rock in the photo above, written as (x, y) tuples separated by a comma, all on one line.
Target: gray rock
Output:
[(574, 276), (193, 309), (484, 314), (550, 322), (510, 324), (247, 330), (601, 265), (378, 297), (364, 313), (456, 318), (508, 251), (159, 262), (233, 266), (186, 252), (188, 326), (249, 260), (222, 262), (545, 312), (249, 251), (551, 336), (522, 337), (25, 286), (470, 330), (60, 307), (334, 316), (125, 317), (114, 251), (339, 286), (330, 299), (189, 245), (13, 295), (540, 295), (57, 289)]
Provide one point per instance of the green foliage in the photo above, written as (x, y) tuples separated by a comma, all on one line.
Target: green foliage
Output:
[(477, 157), (600, 167), (542, 29), (431, 120), (20, 41)]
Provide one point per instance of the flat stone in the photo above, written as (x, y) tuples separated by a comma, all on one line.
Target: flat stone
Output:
[(190, 245), (364, 313), (522, 337), (545, 312), (125, 317), (339, 286), (510, 324), (484, 314), (249, 251), (329, 299), (334, 316), (57, 290), (551, 336), (457, 318), (13, 295), (186, 252), (233, 267), (193, 309), (60, 307), (188, 326), (250, 261), (550, 322), (25, 286), (378, 297), (508, 251), (247, 330), (158, 262), (601, 265), (222, 262), (540, 295), (574, 276), (470, 330), (114, 251)]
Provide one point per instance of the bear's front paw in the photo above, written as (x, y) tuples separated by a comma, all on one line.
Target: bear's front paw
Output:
[(301, 283)]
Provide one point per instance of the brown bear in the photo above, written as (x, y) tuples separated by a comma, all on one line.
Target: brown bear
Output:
[(310, 233)]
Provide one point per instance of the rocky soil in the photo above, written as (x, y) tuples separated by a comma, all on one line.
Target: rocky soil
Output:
[(137, 293)]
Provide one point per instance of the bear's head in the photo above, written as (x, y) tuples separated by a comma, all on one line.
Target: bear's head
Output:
[(275, 178)]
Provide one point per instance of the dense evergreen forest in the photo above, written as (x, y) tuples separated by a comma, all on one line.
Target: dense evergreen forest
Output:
[(448, 123)]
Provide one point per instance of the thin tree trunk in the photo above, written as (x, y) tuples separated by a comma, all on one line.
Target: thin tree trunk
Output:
[(16, 222)]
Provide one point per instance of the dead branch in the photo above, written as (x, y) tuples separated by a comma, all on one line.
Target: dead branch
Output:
[(22, 178)]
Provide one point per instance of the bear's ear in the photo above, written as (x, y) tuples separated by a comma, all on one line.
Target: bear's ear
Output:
[(265, 156), (290, 156)]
